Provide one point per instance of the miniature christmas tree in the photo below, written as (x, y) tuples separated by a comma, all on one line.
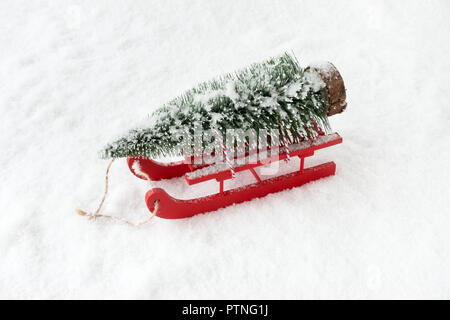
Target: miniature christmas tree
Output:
[(275, 94)]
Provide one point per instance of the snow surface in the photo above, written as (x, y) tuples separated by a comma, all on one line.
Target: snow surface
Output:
[(76, 73)]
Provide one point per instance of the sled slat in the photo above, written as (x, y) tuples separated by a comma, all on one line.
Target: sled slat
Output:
[(221, 171)]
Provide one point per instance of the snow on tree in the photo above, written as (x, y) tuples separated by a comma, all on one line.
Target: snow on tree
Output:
[(268, 95)]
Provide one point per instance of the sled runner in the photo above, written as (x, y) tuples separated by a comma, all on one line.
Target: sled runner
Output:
[(171, 208)]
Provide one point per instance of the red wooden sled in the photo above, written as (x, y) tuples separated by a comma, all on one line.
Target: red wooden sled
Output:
[(171, 208)]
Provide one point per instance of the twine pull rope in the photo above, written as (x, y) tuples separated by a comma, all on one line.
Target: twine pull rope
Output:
[(96, 213)]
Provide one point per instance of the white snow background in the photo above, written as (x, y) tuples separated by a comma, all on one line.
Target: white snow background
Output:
[(75, 74)]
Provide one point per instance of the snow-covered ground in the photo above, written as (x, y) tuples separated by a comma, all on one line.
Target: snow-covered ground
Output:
[(74, 74)]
